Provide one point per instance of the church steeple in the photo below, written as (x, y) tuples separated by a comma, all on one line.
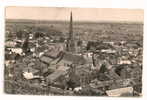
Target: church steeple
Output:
[(70, 42), (71, 27)]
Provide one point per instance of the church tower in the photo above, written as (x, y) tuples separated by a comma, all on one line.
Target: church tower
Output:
[(70, 41)]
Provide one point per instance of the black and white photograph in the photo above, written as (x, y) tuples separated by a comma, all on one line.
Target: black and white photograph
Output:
[(65, 51)]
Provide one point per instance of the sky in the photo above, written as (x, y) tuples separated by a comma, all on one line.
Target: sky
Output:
[(79, 14)]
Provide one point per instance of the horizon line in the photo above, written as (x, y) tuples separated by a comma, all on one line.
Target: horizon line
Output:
[(104, 21)]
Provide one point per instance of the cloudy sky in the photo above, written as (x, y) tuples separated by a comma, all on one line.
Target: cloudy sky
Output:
[(79, 14)]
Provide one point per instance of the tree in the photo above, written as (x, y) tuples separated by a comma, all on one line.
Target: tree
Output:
[(25, 45), (19, 34)]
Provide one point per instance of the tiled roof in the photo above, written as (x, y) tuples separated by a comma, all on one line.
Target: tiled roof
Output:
[(46, 59), (75, 59)]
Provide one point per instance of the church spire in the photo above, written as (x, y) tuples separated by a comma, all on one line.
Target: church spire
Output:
[(70, 42), (71, 27)]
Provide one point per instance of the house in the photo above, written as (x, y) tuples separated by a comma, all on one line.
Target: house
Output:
[(55, 75), (127, 91), (46, 59), (108, 51), (9, 62), (112, 75), (16, 50), (84, 73), (124, 62), (88, 56), (75, 59), (52, 53), (29, 73), (10, 44)]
